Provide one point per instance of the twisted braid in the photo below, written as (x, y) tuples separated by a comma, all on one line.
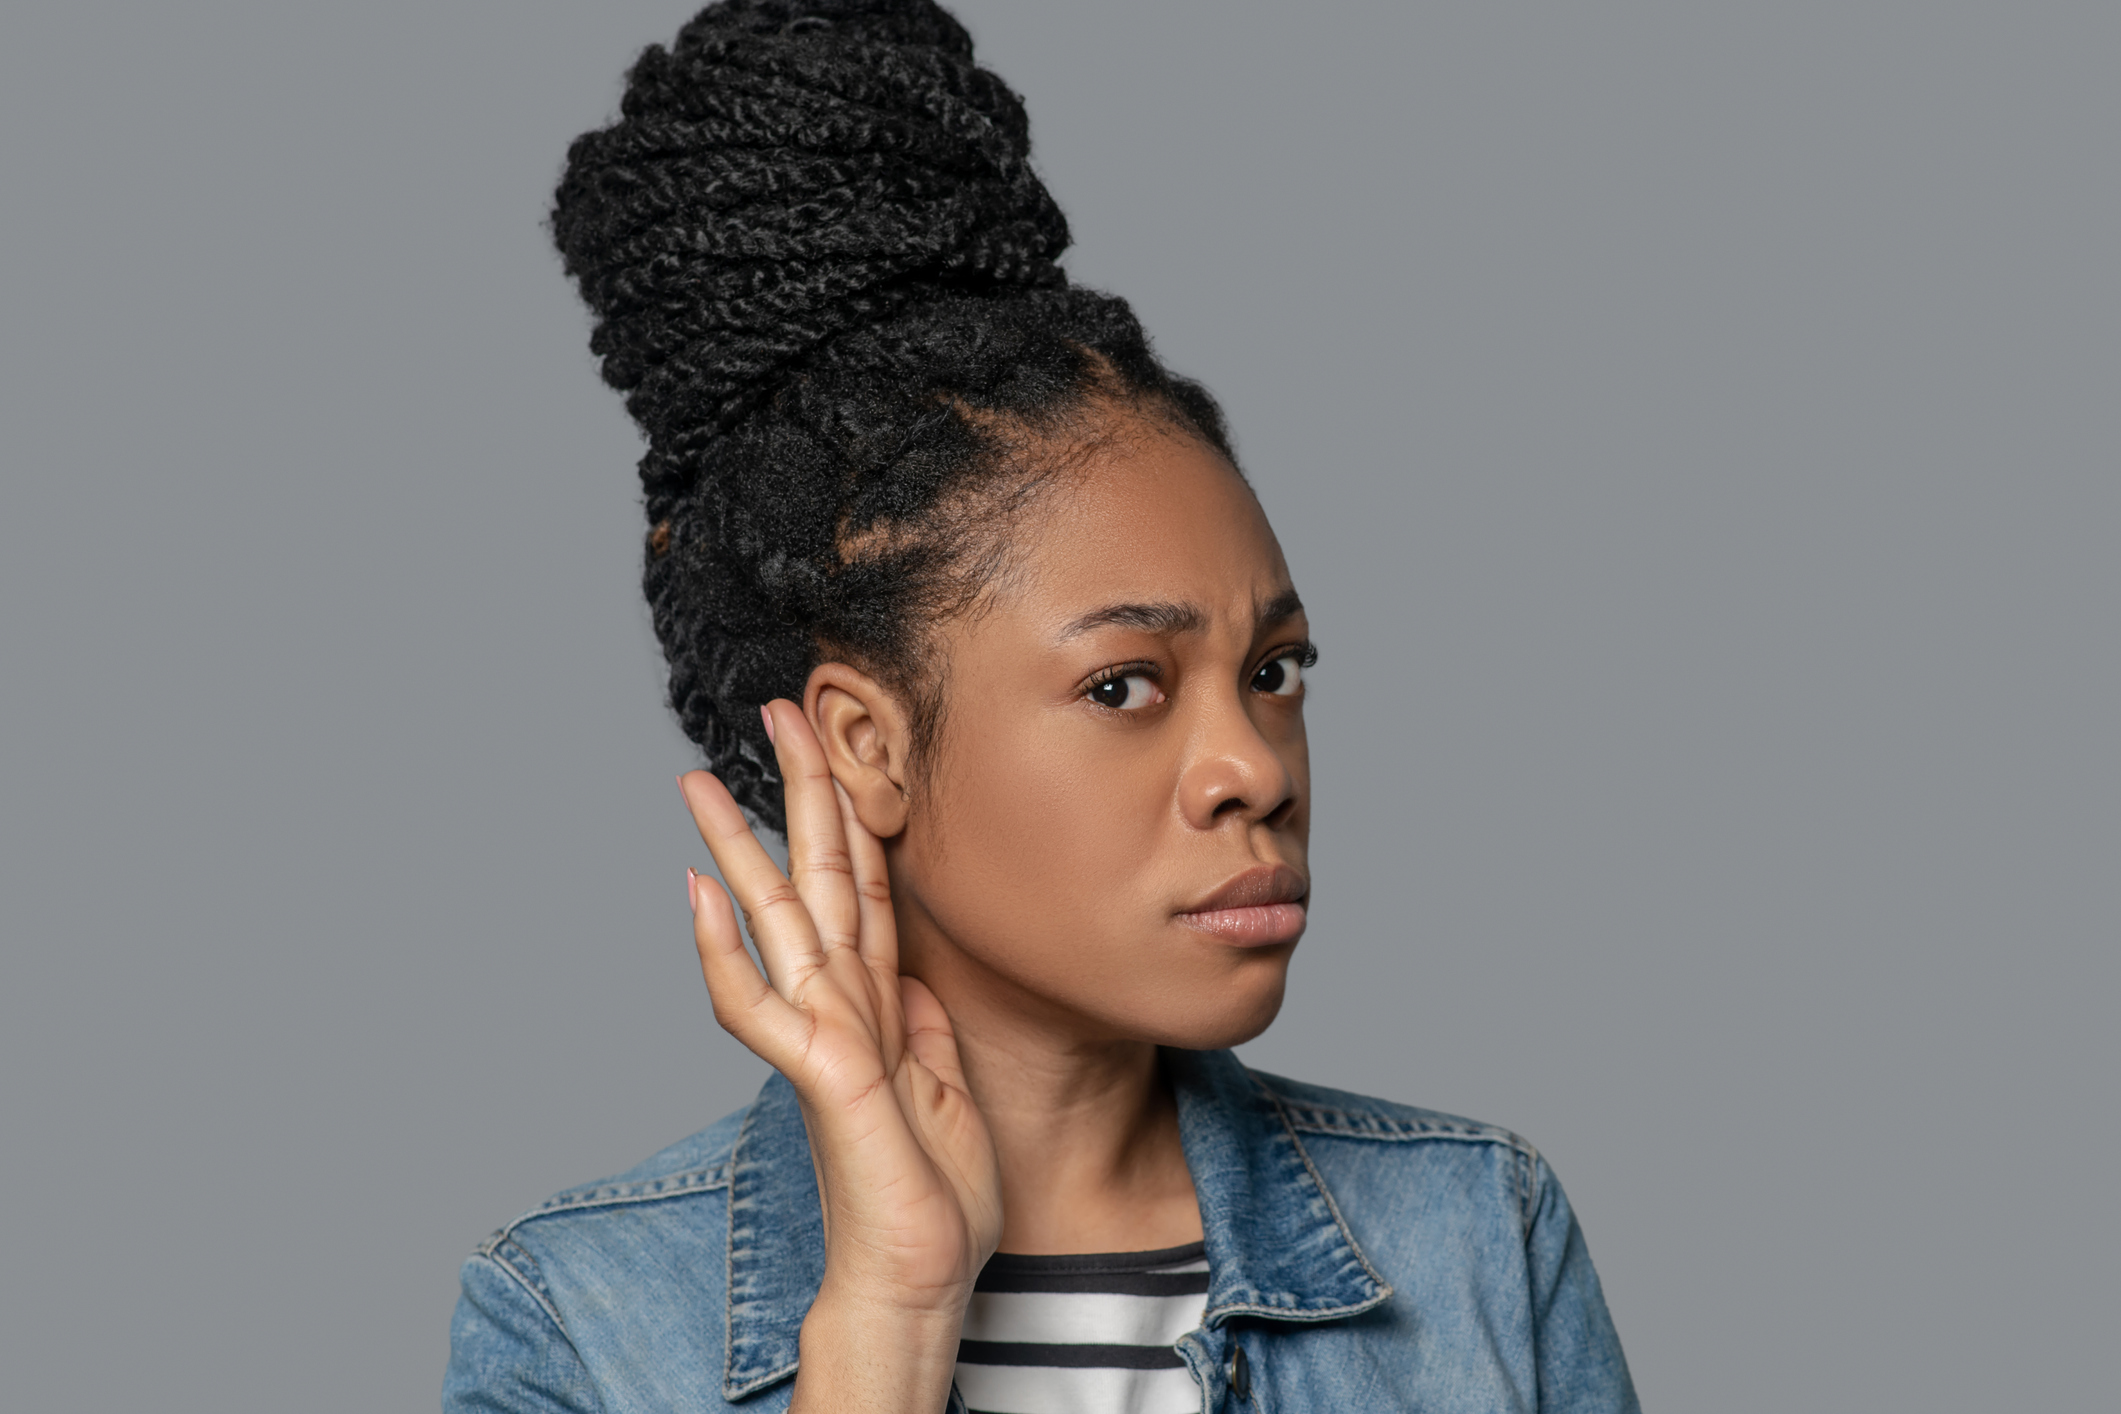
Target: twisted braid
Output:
[(823, 275)]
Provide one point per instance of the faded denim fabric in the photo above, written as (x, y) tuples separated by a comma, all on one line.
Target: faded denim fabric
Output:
[(1364, 1255)]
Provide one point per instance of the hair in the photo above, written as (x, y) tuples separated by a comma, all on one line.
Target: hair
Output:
[(822, 272)]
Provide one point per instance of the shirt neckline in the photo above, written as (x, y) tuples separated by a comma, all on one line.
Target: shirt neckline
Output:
[(1092, 1263)]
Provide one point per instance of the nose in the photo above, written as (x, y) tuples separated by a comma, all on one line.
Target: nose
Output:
[(1234, 771)]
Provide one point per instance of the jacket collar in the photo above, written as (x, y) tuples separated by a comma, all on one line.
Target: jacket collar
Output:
[(776, 1242), (1277, 1246)]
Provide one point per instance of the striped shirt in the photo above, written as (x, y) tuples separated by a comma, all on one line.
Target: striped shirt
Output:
[(1088, 1334)]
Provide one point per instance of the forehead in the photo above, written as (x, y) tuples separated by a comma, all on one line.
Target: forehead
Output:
[(1148, 516)]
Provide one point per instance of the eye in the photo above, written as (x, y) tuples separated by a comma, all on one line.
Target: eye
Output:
[(1125, 694), (1281, 676)]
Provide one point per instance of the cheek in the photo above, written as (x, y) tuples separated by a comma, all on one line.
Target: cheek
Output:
[(1053, 858), (1054, 830)]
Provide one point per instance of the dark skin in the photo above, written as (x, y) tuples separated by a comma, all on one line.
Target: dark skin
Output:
[(968, 972)]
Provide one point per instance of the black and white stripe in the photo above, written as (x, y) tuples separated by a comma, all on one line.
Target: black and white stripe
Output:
[(1090, 1334)]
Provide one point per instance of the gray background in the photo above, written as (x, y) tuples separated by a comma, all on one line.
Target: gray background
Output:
[(1694, 427)]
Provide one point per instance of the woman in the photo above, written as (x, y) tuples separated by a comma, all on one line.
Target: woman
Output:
[(962, 591)]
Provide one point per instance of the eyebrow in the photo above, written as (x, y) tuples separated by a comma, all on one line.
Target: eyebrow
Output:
[(1149, 618), (1174, 618), (1285, 605)]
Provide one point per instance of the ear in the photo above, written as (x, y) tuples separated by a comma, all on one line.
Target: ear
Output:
[(868, 741)]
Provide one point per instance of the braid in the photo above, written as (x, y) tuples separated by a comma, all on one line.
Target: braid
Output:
[(823, 276)]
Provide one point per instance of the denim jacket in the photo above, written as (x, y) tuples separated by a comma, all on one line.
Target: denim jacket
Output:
[(1363, 1255)]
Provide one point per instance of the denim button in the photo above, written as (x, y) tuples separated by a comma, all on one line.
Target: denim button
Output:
[(1241, 1376)]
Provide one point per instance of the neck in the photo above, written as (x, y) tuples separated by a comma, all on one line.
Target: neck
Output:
[(1085, 1128)]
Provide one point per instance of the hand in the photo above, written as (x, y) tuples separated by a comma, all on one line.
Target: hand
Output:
[(906, 1170)]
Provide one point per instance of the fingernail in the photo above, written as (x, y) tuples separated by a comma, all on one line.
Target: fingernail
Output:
[(692, 888), (766, 716)]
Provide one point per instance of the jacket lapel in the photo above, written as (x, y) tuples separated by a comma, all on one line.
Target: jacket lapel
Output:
[(1277, 1245)]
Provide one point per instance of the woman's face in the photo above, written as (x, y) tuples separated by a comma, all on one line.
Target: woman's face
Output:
[(1112, 837)]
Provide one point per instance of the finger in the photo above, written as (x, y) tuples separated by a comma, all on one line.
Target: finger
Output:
[(929, 1034), (872, 887), (817, 844), (780, 925), (744, 1002), (878, 948)]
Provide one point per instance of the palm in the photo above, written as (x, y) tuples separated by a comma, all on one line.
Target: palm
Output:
[(906, 1170)]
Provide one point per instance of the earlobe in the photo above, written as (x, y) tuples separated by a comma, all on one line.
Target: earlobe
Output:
[(867, 740)]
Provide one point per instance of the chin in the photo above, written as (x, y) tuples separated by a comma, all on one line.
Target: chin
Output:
[(1230, 1014)]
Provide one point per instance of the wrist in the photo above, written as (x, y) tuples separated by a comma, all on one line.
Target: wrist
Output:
[(863, 1353)]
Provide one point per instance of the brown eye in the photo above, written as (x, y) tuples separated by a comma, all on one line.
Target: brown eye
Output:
[(1127, 694), (1281, 677)]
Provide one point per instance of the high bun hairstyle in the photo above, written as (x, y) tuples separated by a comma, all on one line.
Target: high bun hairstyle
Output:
[(823, 274)]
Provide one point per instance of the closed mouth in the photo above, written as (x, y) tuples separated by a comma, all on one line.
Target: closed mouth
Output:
[(1258, 908)]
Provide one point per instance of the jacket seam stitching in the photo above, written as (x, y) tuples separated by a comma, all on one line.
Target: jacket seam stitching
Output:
[(1300, 1314), (729, 1387), (1447, 1136), (622, 1200), (1384, 1288), (1388, 1131), (771, 1377), (492, 1253), (1385, 1129), (731, 1390)]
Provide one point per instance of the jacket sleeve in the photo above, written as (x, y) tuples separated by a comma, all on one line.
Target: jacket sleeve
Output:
[(507, 1352), (1581, 1367)]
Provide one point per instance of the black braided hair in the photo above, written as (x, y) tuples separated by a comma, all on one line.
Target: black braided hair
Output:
[(823, 274)]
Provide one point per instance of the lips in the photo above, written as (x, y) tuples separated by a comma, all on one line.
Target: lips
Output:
[(1257, 908)]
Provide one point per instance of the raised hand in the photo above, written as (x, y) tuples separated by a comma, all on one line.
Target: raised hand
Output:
[(906, 1170)]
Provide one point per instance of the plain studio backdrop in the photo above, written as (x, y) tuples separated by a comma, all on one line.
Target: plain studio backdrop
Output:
[(1695, 427)]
